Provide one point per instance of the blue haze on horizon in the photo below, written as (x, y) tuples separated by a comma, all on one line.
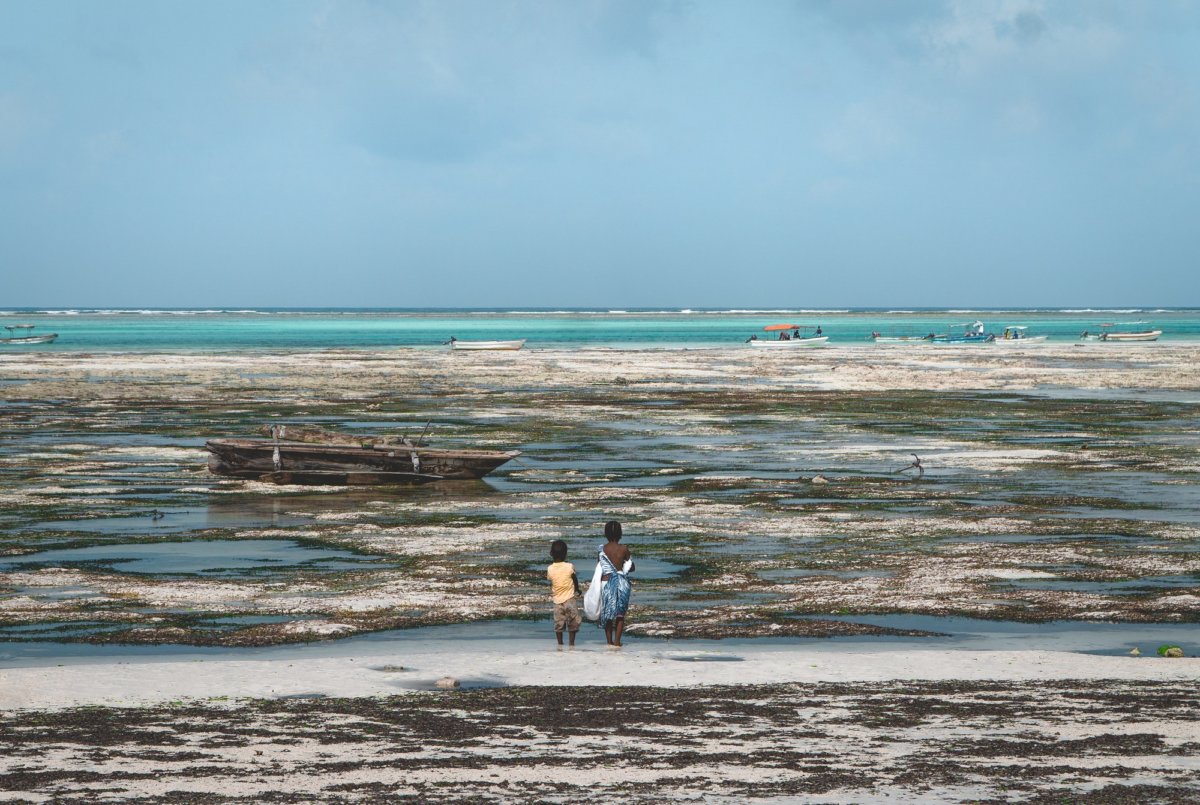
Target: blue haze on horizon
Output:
[(606, 153)]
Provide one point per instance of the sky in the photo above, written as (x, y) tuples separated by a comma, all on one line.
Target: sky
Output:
[(599, 153)]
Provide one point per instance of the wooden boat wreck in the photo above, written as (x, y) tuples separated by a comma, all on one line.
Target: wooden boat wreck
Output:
[(306, 455)]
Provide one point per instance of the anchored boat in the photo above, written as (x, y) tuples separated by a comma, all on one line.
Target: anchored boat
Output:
[(305, 455), (1015, 334), (25, 339), (880, 338), (973, 333), (790, 335), (505, 345), (1108, 334)]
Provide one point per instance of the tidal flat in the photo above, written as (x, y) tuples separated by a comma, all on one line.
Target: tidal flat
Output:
[(760, 491)]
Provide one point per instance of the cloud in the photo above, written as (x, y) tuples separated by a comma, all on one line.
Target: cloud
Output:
[(1028, 27), (634, 26)]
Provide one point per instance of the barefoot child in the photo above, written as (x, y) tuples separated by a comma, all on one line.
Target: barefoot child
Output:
[(564, 586)]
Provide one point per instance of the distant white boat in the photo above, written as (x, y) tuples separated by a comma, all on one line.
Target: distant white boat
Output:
[(900, 339), (1017, 336), (30, 339), (1148, 335), (508, 345), (814, 341), (1107, 334), (26, 339)]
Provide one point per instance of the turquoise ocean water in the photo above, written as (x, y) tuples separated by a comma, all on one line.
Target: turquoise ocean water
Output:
[(266, 328)]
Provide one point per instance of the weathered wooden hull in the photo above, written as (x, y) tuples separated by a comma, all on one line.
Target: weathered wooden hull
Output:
[(345, 464)]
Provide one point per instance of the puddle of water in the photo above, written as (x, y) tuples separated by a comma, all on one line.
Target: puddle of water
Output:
[(213, 557), (302, 696), (1093, 637), (247, 514), (1147, 584), (703, 657), (227, 623), (58, 629)]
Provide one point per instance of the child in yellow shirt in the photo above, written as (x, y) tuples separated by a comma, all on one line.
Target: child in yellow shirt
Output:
[(564, 586)]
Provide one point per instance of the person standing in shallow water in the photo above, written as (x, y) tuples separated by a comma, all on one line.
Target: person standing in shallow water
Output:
[(616, 563), (564, 586)]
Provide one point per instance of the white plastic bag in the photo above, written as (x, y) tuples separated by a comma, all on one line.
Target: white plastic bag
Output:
[(591, 599)]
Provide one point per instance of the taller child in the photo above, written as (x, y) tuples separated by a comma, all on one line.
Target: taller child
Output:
[(615, 562)]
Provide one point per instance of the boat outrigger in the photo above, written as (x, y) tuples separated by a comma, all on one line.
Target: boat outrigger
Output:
[(1106, 334), (305, 455), (790, 335), (26, 339)]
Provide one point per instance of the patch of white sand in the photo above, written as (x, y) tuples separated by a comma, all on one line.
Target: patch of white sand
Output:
[(524, 662)]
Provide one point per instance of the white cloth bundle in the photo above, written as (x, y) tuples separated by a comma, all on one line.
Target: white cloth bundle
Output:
[(591, 599)]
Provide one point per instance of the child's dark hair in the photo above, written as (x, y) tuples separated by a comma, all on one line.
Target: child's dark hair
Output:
[(612, 531), (558, 550)]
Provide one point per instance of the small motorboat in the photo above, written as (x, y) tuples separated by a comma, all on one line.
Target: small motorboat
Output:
[(26, 339), (880, 338), (505, 345), (1121, 336), (1018, 335), (973, 333), (790, 335)]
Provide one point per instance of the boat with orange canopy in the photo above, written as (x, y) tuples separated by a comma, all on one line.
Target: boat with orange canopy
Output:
[(790, 335)]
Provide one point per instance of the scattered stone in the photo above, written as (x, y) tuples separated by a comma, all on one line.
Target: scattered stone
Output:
[(1173, 651), (1136, 652), (389, 669), (446, 682), (819, 479)]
